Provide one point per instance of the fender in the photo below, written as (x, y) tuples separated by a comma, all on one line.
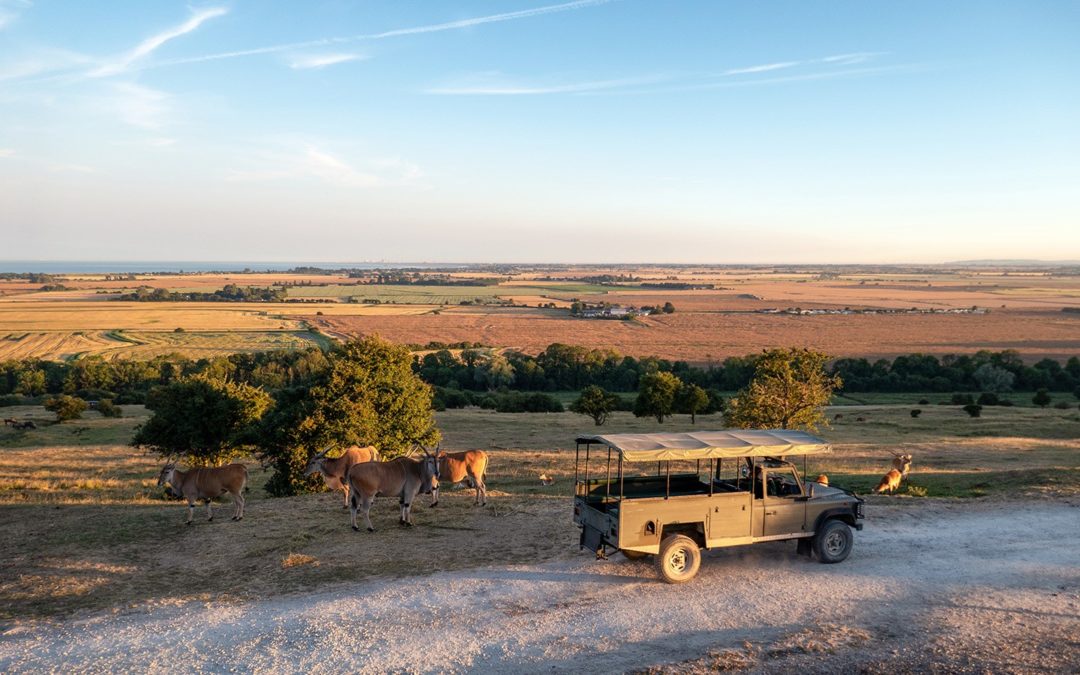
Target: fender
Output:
[(842, 513)]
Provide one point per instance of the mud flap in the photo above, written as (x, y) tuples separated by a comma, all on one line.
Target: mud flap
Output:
[(591, 538), (804, 547)]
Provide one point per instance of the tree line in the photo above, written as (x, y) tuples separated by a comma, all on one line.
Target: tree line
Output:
[(477, 372), (230, 293)]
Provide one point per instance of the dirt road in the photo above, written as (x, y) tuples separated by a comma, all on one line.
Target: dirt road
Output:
[(930, 586)]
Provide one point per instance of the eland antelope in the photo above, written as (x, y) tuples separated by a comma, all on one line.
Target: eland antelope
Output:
[(468, 467), (207, 483), (404, 477), (890, 482), (335, 470), (902, 463)]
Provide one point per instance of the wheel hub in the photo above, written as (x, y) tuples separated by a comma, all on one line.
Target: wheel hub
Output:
[(834, 543), (677, 561)]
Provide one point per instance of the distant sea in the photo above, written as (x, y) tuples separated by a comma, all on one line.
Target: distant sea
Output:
[(174, 266)]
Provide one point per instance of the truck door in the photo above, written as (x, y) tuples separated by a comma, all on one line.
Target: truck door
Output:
[(777, 500)]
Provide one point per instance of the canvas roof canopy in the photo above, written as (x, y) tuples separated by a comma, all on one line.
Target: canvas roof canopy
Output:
[(711, 444)]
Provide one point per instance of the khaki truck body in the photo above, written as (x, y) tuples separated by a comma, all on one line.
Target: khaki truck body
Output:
[(646, 494)]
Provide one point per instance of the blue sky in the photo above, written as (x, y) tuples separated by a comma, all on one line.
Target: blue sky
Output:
[(621, 131)]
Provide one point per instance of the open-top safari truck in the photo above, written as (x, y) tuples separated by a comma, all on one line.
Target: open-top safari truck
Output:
[(673, 494)]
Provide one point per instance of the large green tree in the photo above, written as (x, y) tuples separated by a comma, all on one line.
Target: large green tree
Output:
[(66, 407), (692, 400), (368, 395), (595, 402), (790, 390), (656, 395), (203, 420)]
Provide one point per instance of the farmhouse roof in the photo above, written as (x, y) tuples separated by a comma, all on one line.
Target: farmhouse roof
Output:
[(711, 444)]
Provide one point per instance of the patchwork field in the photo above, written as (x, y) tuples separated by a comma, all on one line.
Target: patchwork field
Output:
[(719, 311)]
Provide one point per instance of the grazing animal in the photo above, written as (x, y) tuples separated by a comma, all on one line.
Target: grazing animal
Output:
[(28, 424), (823, 480), (890, 482), (860, 419), (335, 470), (208, 483), (837, 416), (404, 477), (468, 467), (10, 420), (902, 463), (546, 480)]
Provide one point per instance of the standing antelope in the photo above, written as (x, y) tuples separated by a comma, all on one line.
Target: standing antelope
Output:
[(335, 470), (404, 477), (456, 467), (208, 483)]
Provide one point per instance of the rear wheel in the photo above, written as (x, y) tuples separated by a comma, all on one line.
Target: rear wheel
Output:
[(634, 555), (679, 559), (833, 542)]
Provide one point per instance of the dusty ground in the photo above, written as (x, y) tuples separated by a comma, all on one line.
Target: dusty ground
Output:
[(931, 587)]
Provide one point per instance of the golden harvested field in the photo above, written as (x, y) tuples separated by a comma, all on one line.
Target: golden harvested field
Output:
[(1025, 313), (709, 336), (87, 528)]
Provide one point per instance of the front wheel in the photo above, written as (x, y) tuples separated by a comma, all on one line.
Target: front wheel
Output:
[(833, 542), (679, 559)]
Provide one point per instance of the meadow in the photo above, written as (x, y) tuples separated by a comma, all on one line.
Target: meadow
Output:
[(88, 529)]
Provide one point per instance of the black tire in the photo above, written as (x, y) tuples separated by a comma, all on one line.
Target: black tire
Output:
[(833, 542), (633, 555), (679, 559)]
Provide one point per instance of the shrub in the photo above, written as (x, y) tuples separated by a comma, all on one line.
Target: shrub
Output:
[(916, 412), (94, 394), (66, 407), (534, 403), (178, 329), (973, 409), (988, 398), (595, 402), (1041, 398), (1063, 405), (923, 401), (10, 400), (962, 399), (109, 409), (1005, 403)]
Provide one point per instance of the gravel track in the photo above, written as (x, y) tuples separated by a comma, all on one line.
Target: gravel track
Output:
[(935, 586)]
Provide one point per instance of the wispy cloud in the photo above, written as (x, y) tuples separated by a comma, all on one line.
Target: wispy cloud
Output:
[(763, 68), (493, 84), (398, 32), (10, 10), (851, 59), (311, 61), (317, 163), (136, 105), (147, 46), (7, 152)]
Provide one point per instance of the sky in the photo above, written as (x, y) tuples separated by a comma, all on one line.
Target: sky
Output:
[(588, 131)]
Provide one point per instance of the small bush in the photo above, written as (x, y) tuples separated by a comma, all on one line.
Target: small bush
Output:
[(923, 401), (962, 399), (10, 399), (973, 409), (915, 490), (109, 409), (1041, 398), (66, 407), (178, 329), (916, 412), (1005, 403), (1063, 405), (988, 398)]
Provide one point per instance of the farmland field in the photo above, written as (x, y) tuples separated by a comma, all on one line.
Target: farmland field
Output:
[(719, 311)]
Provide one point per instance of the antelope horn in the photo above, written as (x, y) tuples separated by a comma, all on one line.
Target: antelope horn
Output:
[(323, 453)]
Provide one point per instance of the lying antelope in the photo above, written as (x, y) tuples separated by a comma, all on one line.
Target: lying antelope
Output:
[(334, 470), (890, 481), (404, 477), (468, 467), (208, 483)]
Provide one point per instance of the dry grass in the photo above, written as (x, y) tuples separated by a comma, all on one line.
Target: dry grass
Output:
[(88, 529), (147, 344)]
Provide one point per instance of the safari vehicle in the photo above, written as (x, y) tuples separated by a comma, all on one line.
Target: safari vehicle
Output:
[(671, 495)]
